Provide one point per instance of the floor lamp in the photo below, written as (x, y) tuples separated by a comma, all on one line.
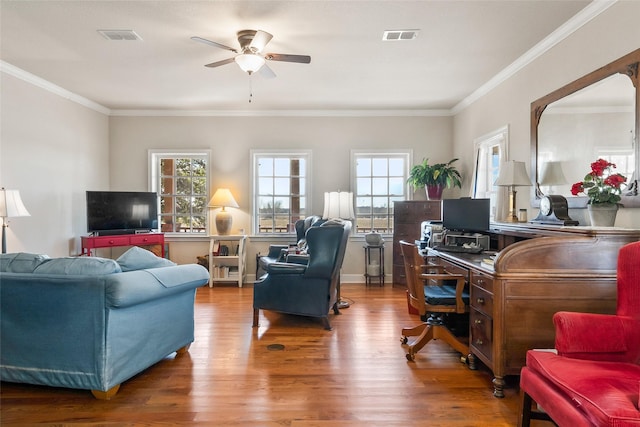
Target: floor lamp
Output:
[(10, 206), (339, 205), (512, 174)]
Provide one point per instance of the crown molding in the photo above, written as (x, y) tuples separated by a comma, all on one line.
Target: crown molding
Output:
[(281, 113), (593, 9), (21, 74)]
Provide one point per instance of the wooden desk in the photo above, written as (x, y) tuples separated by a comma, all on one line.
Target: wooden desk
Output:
[(539, 271)]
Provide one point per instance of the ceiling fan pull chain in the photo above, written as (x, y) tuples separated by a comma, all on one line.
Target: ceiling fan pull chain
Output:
[(250, 89)]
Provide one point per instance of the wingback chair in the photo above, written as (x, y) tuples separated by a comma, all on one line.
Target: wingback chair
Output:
[(594, 379), (310, 288), (276, 252)]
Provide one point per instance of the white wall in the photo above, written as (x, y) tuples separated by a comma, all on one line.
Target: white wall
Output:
[(52, 150), (609, 36), (232, 138)]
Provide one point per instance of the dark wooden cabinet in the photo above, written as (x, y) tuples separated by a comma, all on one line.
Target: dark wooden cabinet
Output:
[(407, 217), (539, 271)]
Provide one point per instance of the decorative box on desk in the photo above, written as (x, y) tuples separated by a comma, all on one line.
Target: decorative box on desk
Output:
[(117, 240), (227, 256)]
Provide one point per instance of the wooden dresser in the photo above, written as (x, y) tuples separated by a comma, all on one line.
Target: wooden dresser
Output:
[(407, 218), (539, 270)]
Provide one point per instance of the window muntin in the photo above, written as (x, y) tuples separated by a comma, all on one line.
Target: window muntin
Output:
[(280, 190), (380, 180), (181, 180)]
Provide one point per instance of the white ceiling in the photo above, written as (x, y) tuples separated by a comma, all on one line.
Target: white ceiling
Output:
[(461, 46)]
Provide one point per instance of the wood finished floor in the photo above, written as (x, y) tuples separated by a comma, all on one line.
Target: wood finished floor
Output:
[(355, 375)]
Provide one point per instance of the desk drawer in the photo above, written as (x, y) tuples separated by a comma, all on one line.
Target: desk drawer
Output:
[(482, 280), (143, 239), (108, 241), (481, 300), (454, 269), (481, 332)]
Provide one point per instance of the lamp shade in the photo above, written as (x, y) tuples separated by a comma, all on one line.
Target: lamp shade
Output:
[(338, 204), (223, 198), (552, 174), (249, 62), (11, 204), (513, 173)]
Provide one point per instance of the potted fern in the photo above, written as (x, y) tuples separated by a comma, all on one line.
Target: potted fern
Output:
[(434, 178)]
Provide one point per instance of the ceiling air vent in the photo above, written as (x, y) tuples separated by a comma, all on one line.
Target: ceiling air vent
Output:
[(399, 35), (129, 35)]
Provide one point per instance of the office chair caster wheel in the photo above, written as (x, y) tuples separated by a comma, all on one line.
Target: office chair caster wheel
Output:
[(411, 357), (404, 340)]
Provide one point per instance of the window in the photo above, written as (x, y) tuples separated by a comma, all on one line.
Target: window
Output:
[(181, 180), (490, 151), (380, 179), (280, 189)]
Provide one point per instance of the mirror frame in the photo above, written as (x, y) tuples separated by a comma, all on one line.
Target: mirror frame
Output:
[(627, 65)]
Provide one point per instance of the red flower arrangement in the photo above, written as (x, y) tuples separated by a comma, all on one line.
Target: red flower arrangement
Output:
[(601, 185)]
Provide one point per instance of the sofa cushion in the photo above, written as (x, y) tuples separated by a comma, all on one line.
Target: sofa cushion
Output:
[(139, 259), (605, 391), (20, 262), (93, 266)]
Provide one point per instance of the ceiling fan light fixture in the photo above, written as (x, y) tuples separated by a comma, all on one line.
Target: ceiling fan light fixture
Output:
[(249, 62)]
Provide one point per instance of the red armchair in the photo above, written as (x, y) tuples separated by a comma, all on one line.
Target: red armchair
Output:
[(594, 379)]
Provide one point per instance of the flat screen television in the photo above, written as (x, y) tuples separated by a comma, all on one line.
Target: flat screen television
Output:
[(121, 212), (466, 214)]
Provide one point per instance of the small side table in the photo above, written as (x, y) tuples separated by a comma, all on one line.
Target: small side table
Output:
[(374, 264)]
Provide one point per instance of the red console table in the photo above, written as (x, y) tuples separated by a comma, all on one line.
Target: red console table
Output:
[(143, 239)]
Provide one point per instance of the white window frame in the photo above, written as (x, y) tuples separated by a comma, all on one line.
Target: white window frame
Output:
[(484, 174), (407, 156), (256, 155), (154, 156)]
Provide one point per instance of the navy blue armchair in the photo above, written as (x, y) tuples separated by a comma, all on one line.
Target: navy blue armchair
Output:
[(278, 252), (306, 289)]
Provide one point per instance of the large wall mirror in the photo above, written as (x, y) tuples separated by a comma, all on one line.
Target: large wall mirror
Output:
[(596, 116)]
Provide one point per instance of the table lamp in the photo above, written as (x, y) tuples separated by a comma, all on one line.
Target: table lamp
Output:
[(339, 204), (10, 206), (552, 175), (224, 199), (512, 174)]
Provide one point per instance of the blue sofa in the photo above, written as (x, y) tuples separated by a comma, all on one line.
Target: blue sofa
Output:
[(92, 323)]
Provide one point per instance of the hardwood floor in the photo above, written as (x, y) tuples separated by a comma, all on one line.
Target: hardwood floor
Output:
[(355, 375)]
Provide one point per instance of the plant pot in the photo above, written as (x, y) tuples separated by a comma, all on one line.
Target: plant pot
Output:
[(603, 214), (434, 192)]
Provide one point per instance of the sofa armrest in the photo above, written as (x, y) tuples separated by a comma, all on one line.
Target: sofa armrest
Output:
[(596, 336)]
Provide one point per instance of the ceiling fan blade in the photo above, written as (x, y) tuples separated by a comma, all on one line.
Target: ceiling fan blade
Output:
[(301, 59), (214, 44), (266, 72), (260, 40), (219, 63)]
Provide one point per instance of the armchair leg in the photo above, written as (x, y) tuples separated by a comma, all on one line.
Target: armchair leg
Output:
[(336, 309), (256, 314), (326, 323)]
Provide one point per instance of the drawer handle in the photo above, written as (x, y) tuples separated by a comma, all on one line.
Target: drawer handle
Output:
[(480, 300), (478, 321), (480, 282), (479, 342)]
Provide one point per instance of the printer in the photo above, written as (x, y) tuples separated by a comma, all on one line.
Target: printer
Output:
[(432, 234)]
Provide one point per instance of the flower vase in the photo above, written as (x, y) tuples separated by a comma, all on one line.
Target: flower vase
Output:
[(434, 192), (602, 214)]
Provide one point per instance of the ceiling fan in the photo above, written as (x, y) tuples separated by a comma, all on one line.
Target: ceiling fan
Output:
[(250, 57)]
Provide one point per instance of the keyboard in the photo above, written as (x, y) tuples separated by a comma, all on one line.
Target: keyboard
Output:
[(458, 249)]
